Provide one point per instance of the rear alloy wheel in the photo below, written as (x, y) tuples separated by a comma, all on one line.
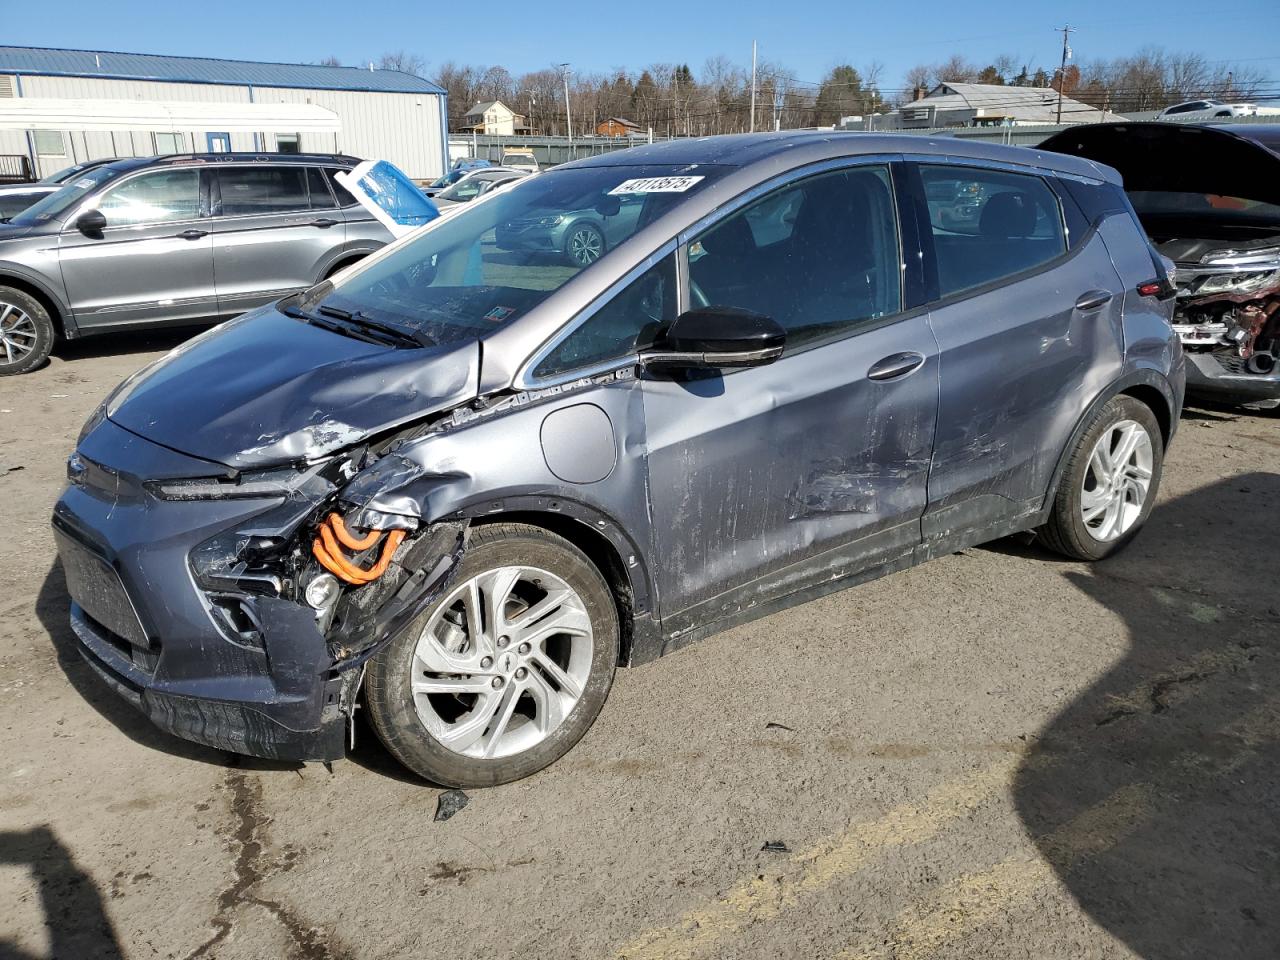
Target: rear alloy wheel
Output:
[(26, 332), (1110, 483), (507, 671), (585, 244)]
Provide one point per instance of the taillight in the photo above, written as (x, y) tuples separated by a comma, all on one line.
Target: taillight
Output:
[(1162, 288)]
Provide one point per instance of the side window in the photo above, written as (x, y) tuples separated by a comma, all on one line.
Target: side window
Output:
[(318, 187), (345, 199), (818, 256), (625, 324), (264, 189), (160, 197), (988, 224)]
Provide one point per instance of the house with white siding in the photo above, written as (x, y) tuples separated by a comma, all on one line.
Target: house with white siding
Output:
[(59, 107)]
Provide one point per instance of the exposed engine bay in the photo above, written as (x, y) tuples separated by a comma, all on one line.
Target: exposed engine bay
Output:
[(1228, 300)]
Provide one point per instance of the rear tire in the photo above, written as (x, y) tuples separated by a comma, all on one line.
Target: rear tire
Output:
[(26, 332), (1110, 483), (434, 695)]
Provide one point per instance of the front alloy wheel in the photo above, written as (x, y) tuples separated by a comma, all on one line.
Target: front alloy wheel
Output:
[(502, 661), (585, 244), (507, 670)]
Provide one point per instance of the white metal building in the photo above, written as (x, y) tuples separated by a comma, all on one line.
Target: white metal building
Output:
[(86, 104)]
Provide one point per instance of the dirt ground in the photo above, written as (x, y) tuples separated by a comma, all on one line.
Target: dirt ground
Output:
[(996, 755)]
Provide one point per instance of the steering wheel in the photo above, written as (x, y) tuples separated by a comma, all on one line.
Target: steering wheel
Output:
[(700, 299)]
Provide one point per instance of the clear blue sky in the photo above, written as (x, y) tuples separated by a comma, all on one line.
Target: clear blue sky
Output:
[(596, 35)]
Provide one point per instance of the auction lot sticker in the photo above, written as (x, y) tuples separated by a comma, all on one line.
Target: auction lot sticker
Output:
[(656, 185)]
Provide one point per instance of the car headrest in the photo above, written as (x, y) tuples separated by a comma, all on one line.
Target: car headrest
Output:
[(731, 239), (1008, 215)]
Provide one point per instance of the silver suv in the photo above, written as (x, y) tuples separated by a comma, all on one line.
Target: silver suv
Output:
[(173, 240)]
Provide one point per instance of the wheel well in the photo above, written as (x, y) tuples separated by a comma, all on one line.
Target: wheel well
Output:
[(36, 293), (598, 550), (343, 264), (1159, 406)]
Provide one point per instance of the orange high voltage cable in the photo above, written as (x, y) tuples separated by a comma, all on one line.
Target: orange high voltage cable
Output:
[(330, 555)]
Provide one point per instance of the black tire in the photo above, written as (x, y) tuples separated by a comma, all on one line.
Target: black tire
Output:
[(34, 317), (592, 239), (387, 681), (1065, 532)]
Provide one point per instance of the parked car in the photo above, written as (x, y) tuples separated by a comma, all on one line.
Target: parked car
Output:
[(579, 236), (460, 169), (173, 240), (1208, 196), (468, 482), (475, 184), (1205, 109), (520, 159), (16, 197)]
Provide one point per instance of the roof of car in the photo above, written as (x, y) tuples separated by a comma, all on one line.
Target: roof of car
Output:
[(179, 159), (808, 146)]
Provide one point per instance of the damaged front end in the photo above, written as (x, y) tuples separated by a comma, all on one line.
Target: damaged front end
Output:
[(238, 610), (1228, 313)]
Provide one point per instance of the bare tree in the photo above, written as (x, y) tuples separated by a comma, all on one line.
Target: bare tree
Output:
[(403, 61)]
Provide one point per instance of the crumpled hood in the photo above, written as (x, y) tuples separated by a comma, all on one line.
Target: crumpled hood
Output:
[(266, 389)]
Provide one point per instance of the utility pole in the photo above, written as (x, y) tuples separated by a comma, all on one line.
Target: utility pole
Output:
[(568, 119), (1062, 70), (753, 86)]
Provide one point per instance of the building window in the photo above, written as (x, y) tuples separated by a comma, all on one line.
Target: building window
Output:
[(288, 143), (166, 143), (49, 143)]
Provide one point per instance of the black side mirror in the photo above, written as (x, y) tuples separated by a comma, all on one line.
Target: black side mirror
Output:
[(715, 338), (91, 223)]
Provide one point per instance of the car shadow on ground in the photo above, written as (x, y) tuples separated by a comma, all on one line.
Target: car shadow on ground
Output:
[(76, 923), (52, 606), (1154, 795), (123, 343)]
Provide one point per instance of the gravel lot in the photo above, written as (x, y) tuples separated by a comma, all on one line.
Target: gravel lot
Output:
[(995, 755)]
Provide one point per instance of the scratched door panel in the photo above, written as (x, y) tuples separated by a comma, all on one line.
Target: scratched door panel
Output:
[(1019, 366), (763, 479)]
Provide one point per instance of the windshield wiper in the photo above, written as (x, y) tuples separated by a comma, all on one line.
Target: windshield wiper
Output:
[(369, 324), (290, 308)]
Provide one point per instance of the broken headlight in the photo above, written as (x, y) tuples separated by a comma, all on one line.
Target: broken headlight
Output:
[(1235, 281), (276, 482)]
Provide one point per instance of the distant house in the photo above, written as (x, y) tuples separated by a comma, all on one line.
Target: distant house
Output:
[(494, 118), (989, 105), (617, 127)]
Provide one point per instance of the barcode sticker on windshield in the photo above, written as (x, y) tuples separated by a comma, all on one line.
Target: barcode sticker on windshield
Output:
[(656, 185)]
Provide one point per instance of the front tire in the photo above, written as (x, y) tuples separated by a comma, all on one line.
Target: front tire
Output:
[(584, 244), (26, 332), (1110, 483), (507, 671)]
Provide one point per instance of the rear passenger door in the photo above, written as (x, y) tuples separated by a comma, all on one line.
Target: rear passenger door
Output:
[(1028, 320), (276, 229)]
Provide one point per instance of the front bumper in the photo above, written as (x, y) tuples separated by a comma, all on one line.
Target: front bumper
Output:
[(1209, 377), (149, 630)]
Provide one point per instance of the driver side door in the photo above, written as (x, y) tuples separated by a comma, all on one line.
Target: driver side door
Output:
[(152, 262), (771, 480)]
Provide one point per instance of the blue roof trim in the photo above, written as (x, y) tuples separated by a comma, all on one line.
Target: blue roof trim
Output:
[(107, 65)]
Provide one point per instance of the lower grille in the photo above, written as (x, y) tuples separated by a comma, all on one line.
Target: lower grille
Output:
[(96, 587)]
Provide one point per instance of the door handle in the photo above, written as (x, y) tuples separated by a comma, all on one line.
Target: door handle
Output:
[(324, 222), (193, 234), (895, 365), (1094, 299)]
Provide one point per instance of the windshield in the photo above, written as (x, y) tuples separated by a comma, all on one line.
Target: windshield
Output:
[(493, 261), (56, 204), (469, 188)]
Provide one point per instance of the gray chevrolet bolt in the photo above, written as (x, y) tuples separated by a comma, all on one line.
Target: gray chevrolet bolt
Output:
[(462, 483), (175, 240)]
